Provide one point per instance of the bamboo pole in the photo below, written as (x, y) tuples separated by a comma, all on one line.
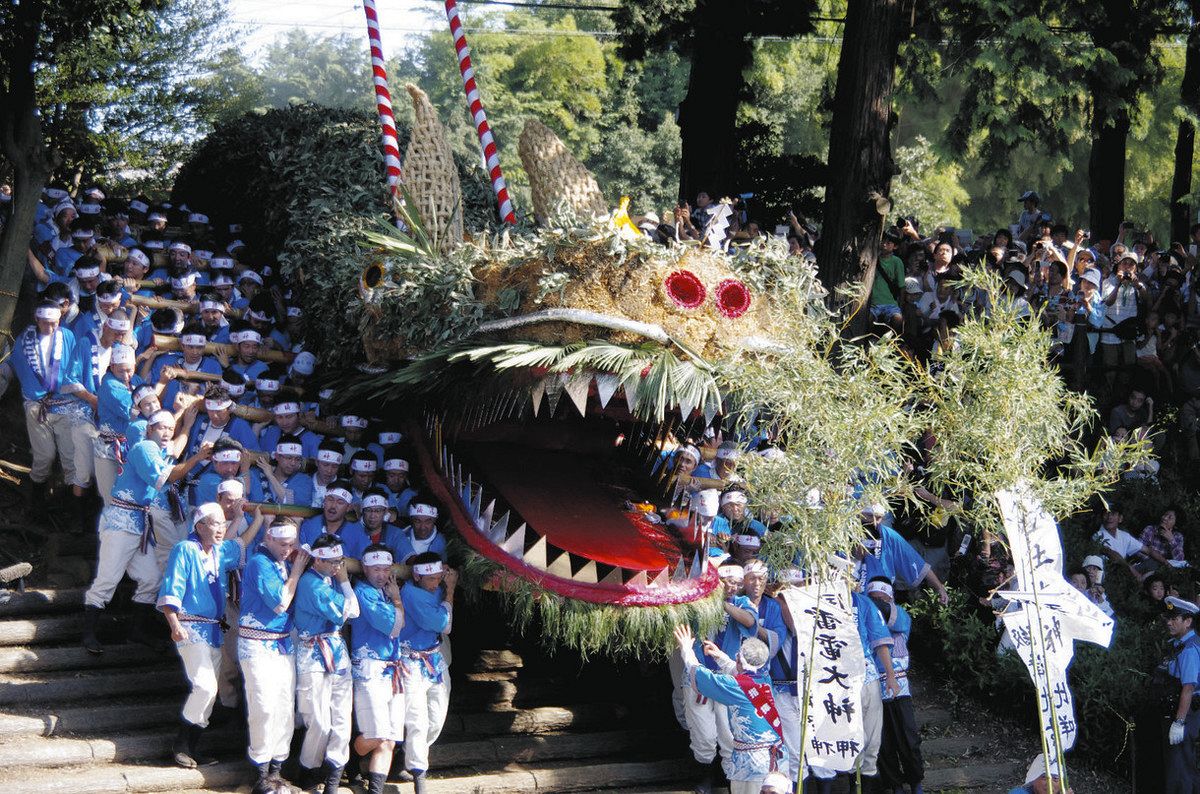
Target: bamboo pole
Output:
[(187, 307)]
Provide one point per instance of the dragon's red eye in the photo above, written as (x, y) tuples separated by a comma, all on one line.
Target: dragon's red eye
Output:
[(733, 298), (684, 289)]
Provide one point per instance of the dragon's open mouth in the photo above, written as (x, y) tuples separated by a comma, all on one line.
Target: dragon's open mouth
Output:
[(550, 493)]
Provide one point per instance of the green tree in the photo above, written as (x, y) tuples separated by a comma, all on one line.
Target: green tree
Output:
[(332, 71), (86, 84), (716, 37), (927, 187)]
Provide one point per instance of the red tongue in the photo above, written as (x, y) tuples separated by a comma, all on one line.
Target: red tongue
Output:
[(561, 496)]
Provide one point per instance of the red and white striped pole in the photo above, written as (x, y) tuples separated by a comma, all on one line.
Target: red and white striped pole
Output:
[(490, 154), (383, 101)]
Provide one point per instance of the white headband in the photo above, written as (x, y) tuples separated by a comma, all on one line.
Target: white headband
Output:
[(232, 487), (227, 456), (377, 558), (418, 510), (197, 217), (329, 456), (282, 530), (731, 572), (395, 464), (206, 511), (374, 500), (340, 493), (142, 392), (220, 263), (328, 552), (183, 282), (283, 408), (880, 587), (350, 420), (193, 340), (757, 567), (140, 258), (747, 540), (218, 405), (362, 464), (109, 297), (123, 354), (211, 306), (266, 384), (257, 315), (87, 272), (428, 568), (294, 311), (291, 448), (118, 324), (159, 417), (388, 438), (734, 498), (690, 451), (138, 206), (250, 335), (181, 247), (52, 313), (234, 389)]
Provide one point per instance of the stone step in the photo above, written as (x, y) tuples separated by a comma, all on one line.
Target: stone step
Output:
[(43, 602), (73, 657), (107, 716), (986, 777), (44, 753), (95, 757), (119, 778), (41, 630), (58, 687)]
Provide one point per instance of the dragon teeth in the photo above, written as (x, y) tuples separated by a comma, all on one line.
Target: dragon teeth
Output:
[(515, 545), (663, 578), (587, 574), (499, 529), (613, 577), (536, 556), (639, 580), (680, 572), (561, 566), (606, 387), (483, 521), (577, 389), (697, 567), (476, 502)]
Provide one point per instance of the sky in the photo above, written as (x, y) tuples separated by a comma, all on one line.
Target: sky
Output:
[(259, 22)]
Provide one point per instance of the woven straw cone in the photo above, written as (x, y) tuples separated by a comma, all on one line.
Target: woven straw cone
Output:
[(430, 175), (559, 182)]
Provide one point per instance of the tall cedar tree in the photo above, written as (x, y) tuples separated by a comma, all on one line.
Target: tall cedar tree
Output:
[(716, 36), (1185, 140)]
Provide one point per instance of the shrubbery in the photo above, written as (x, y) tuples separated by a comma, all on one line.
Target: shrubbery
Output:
[(1107, 684)]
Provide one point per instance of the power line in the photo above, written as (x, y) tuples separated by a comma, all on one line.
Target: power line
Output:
[(523, 4), (385, 27)]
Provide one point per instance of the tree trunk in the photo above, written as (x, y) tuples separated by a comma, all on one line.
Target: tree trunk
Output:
[(708, 114), (1106, 174), (860, 150), (1185, 138), (24, 146)]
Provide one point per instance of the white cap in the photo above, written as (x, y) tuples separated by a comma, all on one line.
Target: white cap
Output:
[(206, 511), (1093, 560), (1092, 275)]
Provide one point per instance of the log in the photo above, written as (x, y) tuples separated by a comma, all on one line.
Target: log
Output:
[(187, 307), (289, 511), (172, 344), (250, 414)]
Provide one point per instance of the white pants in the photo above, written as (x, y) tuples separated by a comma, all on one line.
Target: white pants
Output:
[(270, 703), (200, 662), (425, 704), (47, 440), (166, 534), (106, 475), (708, 727), (83, 433), (379, 711), (675, 666), (119, 555), (229, 671), (872, 714), (788, 706), (324, 700)]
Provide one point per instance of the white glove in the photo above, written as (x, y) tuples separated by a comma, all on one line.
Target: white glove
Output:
[(1175, 736)]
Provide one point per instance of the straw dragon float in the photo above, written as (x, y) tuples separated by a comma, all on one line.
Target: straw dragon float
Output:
[(540, 373)]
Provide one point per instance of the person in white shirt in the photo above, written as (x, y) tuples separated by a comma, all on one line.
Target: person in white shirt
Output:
[(1121, 547), (1121, 293)]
